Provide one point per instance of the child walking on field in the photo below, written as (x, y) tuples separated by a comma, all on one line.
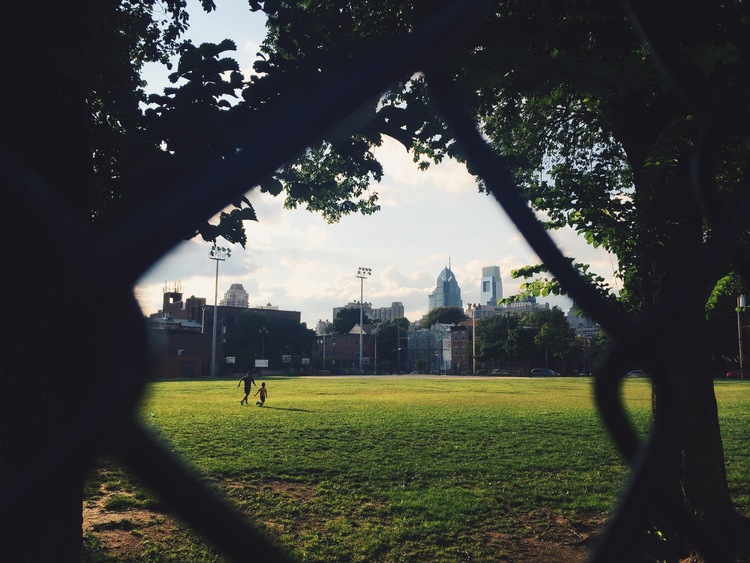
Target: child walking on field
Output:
[(263, 394)]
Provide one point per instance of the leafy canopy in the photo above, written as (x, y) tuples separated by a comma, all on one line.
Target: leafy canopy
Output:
[(444, 315), (347, 318), (596, 137)]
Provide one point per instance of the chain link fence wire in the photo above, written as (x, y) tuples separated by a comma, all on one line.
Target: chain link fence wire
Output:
[(107, 424)]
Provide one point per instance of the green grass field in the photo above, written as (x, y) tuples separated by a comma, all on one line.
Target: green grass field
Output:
[(399, 469)]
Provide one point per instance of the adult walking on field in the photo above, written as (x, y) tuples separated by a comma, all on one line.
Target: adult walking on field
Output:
[(263, 394), (249, 381)]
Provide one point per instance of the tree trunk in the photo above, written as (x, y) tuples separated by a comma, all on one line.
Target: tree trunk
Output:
[(671, 239), (37, 399), (44, 132), (698, 473)]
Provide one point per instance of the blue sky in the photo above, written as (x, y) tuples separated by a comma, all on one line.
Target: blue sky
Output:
[(296, 261)]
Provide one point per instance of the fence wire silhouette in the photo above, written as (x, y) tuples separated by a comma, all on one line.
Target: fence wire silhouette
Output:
[(288, 129)]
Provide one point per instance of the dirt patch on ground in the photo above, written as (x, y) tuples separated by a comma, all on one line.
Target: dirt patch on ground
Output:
[(548, 537), (126, 532), (295, 491)]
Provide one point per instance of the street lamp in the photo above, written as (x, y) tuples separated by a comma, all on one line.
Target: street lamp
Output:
[(323, 333), (324, 345), (741, 304), (398, 347), (218, 254), (362, 273), (263, 331), (473, 309)]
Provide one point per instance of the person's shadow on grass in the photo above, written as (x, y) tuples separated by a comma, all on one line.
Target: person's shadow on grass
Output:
[(285, 409)]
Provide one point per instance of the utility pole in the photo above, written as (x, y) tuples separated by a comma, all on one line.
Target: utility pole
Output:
[(473, 308), (741, 304)]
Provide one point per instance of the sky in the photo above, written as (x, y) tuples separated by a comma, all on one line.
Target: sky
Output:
[(297, 261)]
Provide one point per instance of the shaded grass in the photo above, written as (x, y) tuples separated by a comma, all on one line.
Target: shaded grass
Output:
[(357, 469)]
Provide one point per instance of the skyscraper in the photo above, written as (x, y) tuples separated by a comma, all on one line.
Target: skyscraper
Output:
[(385, 314), (447, 293), (235, 297), (491, 290)]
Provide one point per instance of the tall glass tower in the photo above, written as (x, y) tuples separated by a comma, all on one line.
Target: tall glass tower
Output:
[(447, 293), (491, 290)]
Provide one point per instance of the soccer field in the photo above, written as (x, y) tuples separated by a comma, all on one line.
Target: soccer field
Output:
[(397, 469)]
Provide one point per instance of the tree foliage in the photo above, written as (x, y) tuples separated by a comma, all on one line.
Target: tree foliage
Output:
[(393, 344), (583, 141), (141, 147), (254, 335), (445, 315), (526, 337), (555, 336), (347, 318), (493, 336)]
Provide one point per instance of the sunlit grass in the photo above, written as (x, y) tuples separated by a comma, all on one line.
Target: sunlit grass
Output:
[(395, 468)]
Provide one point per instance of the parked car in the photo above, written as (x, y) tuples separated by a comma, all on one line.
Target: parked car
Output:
[(738, 374), (500, 372), (636, 373), (543, 371)]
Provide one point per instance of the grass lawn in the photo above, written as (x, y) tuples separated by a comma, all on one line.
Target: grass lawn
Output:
[(393, 469)]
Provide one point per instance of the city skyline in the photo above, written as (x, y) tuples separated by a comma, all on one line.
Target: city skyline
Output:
[(378, 298), (296, 261)]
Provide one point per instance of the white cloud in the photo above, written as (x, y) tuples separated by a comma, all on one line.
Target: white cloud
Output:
[(315, 235), (449, 176)]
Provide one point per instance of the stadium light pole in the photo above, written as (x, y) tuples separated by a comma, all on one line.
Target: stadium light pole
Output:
[(218, 254), (473, 308), (362, 273)]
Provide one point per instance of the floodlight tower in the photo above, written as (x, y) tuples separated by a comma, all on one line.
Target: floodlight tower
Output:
[(362, 273), (218, 254)]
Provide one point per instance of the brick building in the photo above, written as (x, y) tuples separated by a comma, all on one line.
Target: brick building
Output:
[(339, 353), (181, 334)]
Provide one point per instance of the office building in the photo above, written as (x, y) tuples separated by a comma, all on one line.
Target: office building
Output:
[(385, 314), (447, 292), (236, 296), (491, 290)]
